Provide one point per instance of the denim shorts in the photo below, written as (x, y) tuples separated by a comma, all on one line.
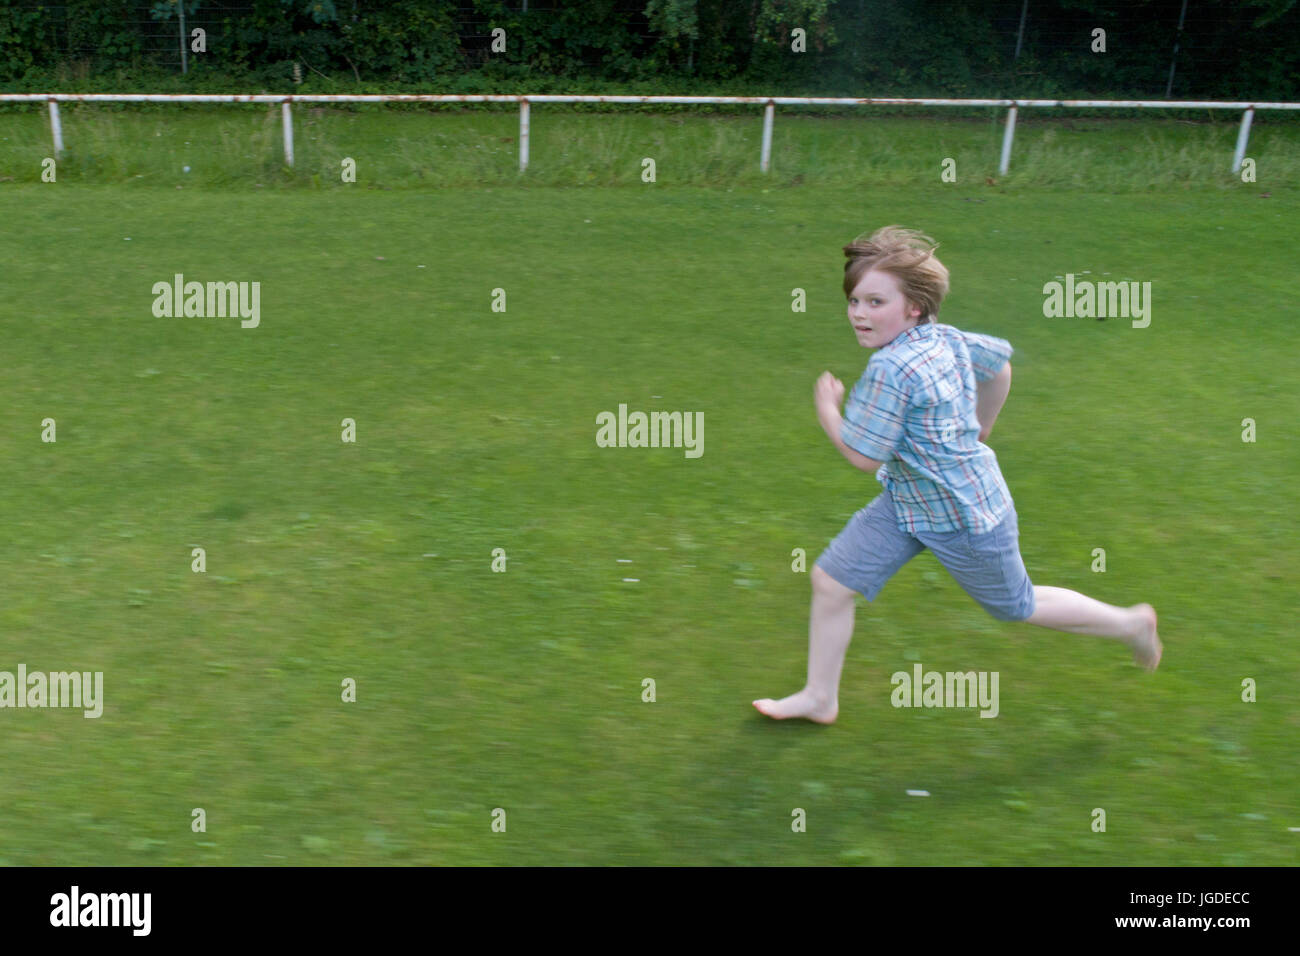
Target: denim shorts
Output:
[(988, 566)]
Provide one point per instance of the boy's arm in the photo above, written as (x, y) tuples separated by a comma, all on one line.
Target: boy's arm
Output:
[(990, 395), (829, 393), (829, 415)]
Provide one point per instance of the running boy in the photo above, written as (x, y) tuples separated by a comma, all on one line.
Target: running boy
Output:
[(917, 419)]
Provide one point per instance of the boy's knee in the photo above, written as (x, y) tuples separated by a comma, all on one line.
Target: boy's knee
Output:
[(826, 586), (1022, 610)]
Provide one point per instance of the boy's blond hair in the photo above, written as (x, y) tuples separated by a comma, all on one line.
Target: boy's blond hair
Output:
[(908, 256)]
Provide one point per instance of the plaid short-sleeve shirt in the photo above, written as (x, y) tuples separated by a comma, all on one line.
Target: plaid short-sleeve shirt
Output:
[(914, 409)]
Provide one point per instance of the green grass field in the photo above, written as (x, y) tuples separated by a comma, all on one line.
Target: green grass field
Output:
[(476, 430)]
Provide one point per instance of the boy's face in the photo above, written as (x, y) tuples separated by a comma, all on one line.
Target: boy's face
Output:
[(878, 311)]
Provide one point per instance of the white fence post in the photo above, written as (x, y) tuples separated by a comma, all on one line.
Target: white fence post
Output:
[(57, 127), (523, 135), (1007, 137), (765, 159), (288, 133), (1242, 136)]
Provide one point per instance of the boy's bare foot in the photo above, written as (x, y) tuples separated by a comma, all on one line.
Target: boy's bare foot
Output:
[(802, 704), (1146, 645)]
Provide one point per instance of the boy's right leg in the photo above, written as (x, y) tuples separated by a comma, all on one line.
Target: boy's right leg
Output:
[(1065, 610), (989, 568)]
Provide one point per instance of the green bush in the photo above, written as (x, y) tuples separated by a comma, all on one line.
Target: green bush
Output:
[(899, 48)]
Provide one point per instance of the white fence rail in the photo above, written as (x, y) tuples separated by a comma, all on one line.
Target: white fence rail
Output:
[(769, 104)]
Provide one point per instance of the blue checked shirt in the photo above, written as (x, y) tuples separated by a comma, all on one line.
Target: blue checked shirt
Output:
[(914, 409)]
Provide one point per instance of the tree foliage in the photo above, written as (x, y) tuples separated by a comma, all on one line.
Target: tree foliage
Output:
[(1227, 48)]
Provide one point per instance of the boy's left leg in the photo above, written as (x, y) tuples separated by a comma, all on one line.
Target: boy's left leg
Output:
[(830, 628), (863, 556)]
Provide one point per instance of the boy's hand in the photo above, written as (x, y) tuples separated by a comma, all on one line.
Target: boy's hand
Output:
[(829, 390)]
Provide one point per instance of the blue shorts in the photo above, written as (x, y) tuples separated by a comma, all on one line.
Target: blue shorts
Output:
[(988, 566)]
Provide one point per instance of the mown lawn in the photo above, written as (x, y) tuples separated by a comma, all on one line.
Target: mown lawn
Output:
[(476, 430)]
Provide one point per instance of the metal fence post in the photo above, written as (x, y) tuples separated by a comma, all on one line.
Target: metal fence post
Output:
[(1242, 136), (56, 127), (1007, 137), (765, 159), (523, 134), (184, 62), (288, 133)]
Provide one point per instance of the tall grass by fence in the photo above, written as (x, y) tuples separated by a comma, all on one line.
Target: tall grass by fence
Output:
[(525, 102)]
